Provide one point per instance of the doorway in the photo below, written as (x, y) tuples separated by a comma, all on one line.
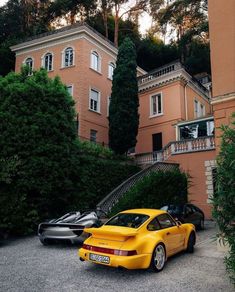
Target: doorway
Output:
[(157, 142)]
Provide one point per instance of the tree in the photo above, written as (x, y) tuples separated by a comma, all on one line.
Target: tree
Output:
[(224, 197), (20, 19), (70, 9), (186, 18), (140, 5), (123, 114), (37, 127)]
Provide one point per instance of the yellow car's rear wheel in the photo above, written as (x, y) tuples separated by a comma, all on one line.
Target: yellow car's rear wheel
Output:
[(158, 258)]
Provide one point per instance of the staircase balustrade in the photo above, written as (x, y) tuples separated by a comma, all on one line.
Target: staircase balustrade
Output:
[(112, 198)]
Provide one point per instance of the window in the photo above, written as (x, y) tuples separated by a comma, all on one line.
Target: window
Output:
[(108, 104), (131, 220), (29, 63), (153, 225), (202, 110), (47, 62), (95, 61), (68, 57), (94, 103), (197, 129), (93, 136), (111, 70), (165, 221), (70, 89), (196, 110), (156, 105)]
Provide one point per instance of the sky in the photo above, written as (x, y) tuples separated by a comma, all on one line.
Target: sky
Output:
[(145, 20)]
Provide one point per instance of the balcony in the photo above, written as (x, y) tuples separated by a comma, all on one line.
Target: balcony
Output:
[(168, 73), (177, 147)]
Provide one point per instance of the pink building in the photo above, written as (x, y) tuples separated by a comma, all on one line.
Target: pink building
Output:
[(85, 61), (176, 122)]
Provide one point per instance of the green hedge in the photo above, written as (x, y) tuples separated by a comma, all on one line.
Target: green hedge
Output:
[(154, 191), (224, 197), (44, 170), (100, 172)]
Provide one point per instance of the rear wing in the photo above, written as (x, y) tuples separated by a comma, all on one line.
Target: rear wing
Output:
[(116, 233)]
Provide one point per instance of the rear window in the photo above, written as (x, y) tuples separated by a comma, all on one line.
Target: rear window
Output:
[(128, 220)]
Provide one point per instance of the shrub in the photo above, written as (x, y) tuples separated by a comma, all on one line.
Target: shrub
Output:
[(224, 197), (154, 191), (100, 172)]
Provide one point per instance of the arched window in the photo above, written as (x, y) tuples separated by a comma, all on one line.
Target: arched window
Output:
[(111, 70), (68, 57), (48, 61), (95, 61), (29, 62)]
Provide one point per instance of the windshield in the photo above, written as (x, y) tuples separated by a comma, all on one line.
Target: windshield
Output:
[(128, 220)]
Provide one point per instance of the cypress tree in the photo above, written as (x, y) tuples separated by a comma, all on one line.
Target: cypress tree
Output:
[(123, 110)]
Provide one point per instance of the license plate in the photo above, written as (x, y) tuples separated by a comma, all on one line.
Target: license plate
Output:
[(99, 258)]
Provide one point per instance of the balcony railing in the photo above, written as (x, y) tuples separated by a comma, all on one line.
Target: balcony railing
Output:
[(160, 72), (177, 147)]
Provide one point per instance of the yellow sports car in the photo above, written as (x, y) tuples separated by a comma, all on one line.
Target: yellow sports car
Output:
[(138, 239)]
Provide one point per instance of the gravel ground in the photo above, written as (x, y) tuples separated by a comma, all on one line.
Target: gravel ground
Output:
[(28, 266)]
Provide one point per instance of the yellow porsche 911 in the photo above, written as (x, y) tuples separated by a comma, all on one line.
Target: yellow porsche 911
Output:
[(138, 239)]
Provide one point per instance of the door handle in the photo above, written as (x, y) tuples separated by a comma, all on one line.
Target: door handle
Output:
[(168, 233)]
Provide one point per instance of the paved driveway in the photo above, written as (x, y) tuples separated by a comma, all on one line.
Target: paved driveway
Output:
[(27, 266)]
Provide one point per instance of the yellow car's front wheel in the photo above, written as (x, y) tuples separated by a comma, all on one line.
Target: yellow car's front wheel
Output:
[(158, 258)]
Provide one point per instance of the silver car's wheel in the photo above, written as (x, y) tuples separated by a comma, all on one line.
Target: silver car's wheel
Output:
[(158, 258)]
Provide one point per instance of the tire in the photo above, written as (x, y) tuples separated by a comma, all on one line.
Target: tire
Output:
[(191, 243), (201, 224), (158, 258)]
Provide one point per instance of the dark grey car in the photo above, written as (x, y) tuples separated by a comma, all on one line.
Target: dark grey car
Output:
[(69, 227), (186, 213)]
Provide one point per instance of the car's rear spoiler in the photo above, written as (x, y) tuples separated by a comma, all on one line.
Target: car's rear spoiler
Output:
[(101, 231)]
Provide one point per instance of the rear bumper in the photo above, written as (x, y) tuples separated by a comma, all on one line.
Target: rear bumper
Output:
[(129, 262)]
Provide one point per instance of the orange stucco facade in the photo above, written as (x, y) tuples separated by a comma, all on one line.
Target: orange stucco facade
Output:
[(167, 98), (177, 105), (222, 43), (79, 75)]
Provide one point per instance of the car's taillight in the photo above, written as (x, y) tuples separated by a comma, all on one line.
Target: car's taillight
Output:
[(125, 252), (109, 250)]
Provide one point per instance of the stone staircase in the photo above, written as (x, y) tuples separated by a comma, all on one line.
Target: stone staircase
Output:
[(112, 198)]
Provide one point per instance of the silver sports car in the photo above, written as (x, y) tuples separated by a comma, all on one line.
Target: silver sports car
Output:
[(68, 227)]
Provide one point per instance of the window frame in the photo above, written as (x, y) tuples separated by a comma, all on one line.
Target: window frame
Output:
[(44, 61), (98, 101), (154, 219), (70, 86), (157, 114), (98, 61), (95, 136), (108, 104), (30, 67), (111, 65), (70, 64), (167, 215)]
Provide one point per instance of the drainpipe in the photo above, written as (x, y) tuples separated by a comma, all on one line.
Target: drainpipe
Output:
[(186, 101)]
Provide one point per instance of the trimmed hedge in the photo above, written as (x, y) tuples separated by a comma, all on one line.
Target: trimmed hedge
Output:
[(154, 191), (100, 172), (224, 197)]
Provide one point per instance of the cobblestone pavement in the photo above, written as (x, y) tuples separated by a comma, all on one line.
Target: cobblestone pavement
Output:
[(28, 266)]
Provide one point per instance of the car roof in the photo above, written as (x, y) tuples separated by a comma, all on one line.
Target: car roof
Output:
[(149, 212)]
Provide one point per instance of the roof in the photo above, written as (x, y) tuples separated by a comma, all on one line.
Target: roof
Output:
[(68, 33), (149, 212)]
